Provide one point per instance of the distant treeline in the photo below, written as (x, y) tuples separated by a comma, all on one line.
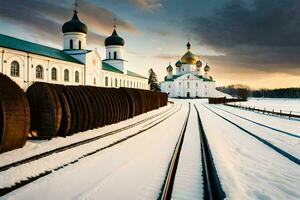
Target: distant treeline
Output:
[(277, 93), (243, 92)]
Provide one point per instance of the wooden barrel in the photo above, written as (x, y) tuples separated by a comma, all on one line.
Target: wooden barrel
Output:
[(14, 115), (79, 110), (111, 105), (94, 105), (45, 109), (129, 100), (104, 100), (87, 109), (65, 124), (101, 106), (73, 109)]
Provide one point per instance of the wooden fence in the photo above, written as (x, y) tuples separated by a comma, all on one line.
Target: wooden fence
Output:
[(281, 113)]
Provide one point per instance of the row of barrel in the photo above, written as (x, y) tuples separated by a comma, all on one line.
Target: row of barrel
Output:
[(49, 110)]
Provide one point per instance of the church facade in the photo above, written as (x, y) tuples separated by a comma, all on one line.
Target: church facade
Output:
[(191, 79), (26, 62)]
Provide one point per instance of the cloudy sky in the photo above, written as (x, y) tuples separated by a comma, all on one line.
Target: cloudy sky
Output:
[(253, 42)]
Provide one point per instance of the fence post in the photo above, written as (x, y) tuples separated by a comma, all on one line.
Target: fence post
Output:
[(280, 113)]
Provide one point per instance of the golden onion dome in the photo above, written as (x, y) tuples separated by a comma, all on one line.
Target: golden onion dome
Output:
[(189, 57)]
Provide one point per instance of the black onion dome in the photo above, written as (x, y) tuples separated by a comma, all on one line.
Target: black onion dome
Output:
[(114, 39), (74, 25)]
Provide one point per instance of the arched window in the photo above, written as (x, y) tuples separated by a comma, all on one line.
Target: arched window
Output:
[(123, 83), (66, 75), (131, 84), (76, 77), (188, 77), (196, 84), (109, 55), (53, 74), (127, 83), (188, 84), (39, 72), (15, 69), (120, 83), (71, 44), (95, 82), (79, 44), (106, 81), (116, 82), (115, 55)]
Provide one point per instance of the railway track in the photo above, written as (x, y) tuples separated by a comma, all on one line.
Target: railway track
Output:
[(265, 142), (4, 191), (76, 144), (212, 186), (260, 124)]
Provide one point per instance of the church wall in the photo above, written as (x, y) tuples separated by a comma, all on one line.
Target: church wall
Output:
[(75, 37), (195, 87), (114, 48), (28, 64), (123, 80), (93, 69)]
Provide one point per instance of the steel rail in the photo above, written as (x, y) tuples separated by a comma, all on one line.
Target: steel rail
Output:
[(168, 184), (267, 143), (4, 191), (212, 186), (76, 144)]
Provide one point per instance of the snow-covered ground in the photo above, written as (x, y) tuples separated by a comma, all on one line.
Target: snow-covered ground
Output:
[(136, 168), (277, 104)]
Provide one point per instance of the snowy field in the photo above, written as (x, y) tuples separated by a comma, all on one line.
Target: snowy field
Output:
[(283, 104), (256, 157)]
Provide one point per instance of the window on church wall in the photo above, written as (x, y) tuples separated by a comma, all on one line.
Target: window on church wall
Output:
[(188, 85), (205, 86), (109, 55), (120, 83), (106, 81), (66, 75), (53, 74), (39, 72), (188, 77), (127, 83), (169, 86), (15, 69), (196, 84), (179, 84), (76, 77), (123, 83), (111, 82), (116, 82), (79, 44), (131, 84), (71, 44), (95, 82), (115, 55)]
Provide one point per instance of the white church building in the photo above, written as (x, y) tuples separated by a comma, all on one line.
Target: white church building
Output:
[(191, 79), (26, 62)]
